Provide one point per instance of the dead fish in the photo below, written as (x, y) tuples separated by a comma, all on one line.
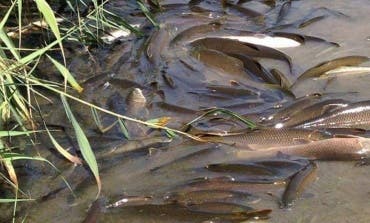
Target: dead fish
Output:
[(355, 115), (229, 46), (284, 10), (219, 60), (195, 32), (332, 64), (355, 148), (297, 184), (263, 137), (311, 112)]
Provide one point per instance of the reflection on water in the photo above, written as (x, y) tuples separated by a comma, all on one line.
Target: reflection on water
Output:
[(193, 61)]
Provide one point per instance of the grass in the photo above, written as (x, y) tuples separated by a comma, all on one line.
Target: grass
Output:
[(18, 82)]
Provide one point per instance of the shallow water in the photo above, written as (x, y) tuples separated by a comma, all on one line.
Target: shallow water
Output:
[(168, 73)]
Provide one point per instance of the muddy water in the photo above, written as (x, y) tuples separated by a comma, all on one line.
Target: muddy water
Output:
[(178, 83)]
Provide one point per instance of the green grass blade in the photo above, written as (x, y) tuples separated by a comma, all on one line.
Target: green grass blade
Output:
[(11, 200), (84, 144), (147, 13), (66, 74), (61, 150), (14, 133), (4, 37), (49, 17), (123, 128)]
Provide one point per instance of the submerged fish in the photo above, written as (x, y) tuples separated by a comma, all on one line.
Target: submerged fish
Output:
[(355, 115), (269, 137), (229, 184), (296, 185), (202, 196)]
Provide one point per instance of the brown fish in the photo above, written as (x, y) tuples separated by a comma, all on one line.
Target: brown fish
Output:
[(202, 196), (195, 32), (223, 183), (221, 61), (269, 137), (302, 39), (297, 184), (229, 46), (321, 68), (297, 106), (328, 149), (311, 112), (356, 115)]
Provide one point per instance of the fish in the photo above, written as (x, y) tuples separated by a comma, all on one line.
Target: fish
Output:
[(284, 10), (311, 112), (283, 81), (202, 196), (218, 208), (216, 59), (297, 184), (321, 68), (135, 101), (229, 46), (346, 149), (243, 10), (235, 211), (345, 71), (127, 201), (255, 68), (302, 39), (309, 21), (230, 184), (264, 137), (297, 106), (355, 115), (133, 145), (195, 32), (94, 211)]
